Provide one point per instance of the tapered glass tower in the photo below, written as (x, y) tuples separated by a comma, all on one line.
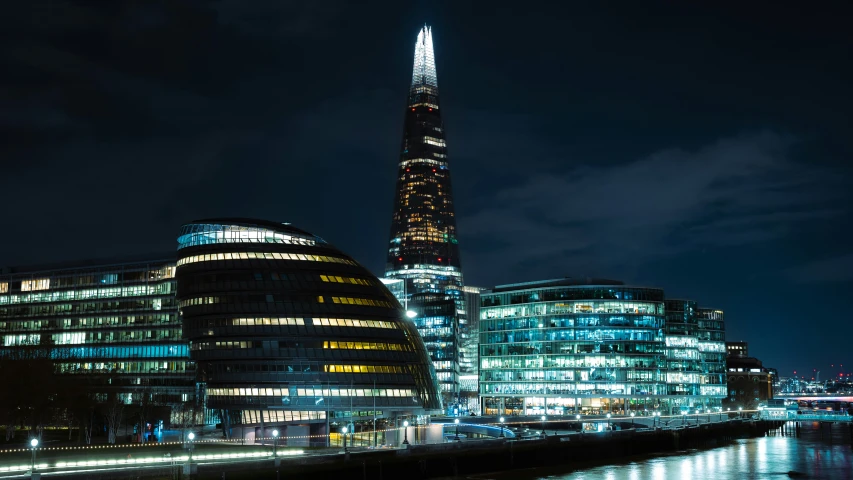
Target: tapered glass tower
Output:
[(423, 250)]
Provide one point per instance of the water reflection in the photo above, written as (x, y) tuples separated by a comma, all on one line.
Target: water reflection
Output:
[(816, 454)]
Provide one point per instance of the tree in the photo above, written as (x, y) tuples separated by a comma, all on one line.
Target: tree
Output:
[(113, 413)]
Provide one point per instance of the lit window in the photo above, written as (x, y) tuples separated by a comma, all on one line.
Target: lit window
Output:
[(262, 255), (37, 284)]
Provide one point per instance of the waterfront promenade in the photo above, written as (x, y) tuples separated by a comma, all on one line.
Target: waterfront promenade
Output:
[(561, 443)]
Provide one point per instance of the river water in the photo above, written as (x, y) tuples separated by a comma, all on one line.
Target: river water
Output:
[(815, 454)]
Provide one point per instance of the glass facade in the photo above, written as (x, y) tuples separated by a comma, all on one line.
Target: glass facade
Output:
[(682, 352), (591, 346), (712, 350), (113, 326), (555, 347), (286, 328), (423, 249), (469, 340)]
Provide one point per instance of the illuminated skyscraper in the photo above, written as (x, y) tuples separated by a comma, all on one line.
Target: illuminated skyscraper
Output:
[(423, 249)]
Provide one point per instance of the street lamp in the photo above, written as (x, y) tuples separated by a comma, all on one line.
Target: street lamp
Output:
[(191, 437), (502, 427), (406, 432), (34, 443), (632, 419), (344, 430), (456, 421), (543, 424), (274, 443)]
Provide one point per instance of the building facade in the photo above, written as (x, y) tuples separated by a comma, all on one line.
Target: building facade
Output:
[(112, 327), (469, 341), (290, 332), (737, 349), (423, 249), (712, 350), (561, 346), (749, 382), (594, 346), (682, 352)]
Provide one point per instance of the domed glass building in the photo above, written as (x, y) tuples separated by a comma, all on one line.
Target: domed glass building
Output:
[(288, 331)]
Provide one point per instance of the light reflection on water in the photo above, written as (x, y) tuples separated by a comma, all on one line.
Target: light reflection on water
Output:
[(816, 456)]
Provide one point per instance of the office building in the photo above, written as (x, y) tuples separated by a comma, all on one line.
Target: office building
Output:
[(110, 328), (712, 350), (595, 346), (469, 351), (682, 352), (423, 249), (566, 345), (289, 331)]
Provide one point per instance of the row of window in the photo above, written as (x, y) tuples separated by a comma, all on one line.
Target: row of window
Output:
[(180, 350), (366, 346), (583, 361), (210, 257), (226, 344), (359, 301), (363, 369), (137, 305), (79, 338), (426, 161), (354, 281), (347, 322), (574, 375), (284, 321), (164, 288), (208, 234), (312, 392), (558, 388), (277, 415), (263, 321), (270, 298), (125, 367), (35, 284)]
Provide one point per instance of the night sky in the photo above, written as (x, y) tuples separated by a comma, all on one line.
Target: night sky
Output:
[(703, 149)]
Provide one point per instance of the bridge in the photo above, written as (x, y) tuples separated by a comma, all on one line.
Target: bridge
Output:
[(815, 397), (783, 415)]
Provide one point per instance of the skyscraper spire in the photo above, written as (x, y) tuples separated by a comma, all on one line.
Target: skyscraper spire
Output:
[(423, 250), (423, 72)]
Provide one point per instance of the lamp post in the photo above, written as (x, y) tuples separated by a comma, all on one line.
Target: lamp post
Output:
[(632, 419), (543, 424), (34, 443), (502, 426), (274, 443), (406, 432), (456, 421), (191, 437), (344, 430)]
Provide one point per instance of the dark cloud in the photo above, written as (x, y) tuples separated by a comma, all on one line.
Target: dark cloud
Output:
[(732, 192), (824, 270)]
